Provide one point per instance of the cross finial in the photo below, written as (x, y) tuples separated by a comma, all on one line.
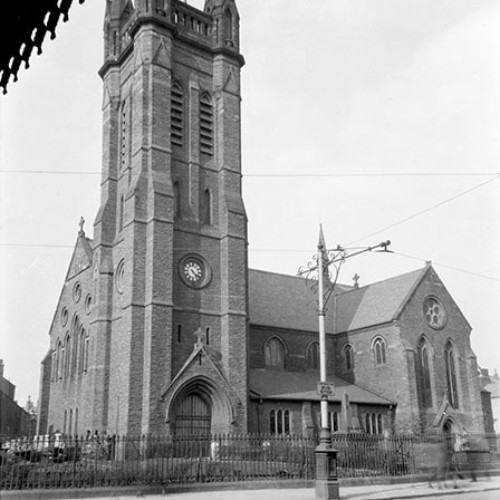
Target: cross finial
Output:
[(81, 224), (200, 336), (355, 278)]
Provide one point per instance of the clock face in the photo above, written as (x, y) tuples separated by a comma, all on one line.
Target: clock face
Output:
[(193, 270)]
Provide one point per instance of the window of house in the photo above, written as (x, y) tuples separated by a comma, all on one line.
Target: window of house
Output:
[(279, 422), (206, 124), (274, 353), (451, 377), (349, 358), (177, 115), (379, 351), (313, 355)]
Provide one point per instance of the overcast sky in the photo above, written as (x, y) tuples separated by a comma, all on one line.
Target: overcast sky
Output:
[(378, 118)]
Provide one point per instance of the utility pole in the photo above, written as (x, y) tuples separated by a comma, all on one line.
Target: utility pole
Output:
[(322, 281)]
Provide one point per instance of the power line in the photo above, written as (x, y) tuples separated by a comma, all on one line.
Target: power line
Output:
[(271, 250), (287, 174), (453, 268), (426, 210)]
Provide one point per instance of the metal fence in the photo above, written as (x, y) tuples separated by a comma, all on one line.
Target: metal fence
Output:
[(58, 461)]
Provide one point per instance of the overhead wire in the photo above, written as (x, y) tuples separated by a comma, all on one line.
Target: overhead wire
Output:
[(428, 209)]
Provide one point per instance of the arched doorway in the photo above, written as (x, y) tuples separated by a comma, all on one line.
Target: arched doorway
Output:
[(449, 434), (193, 415)]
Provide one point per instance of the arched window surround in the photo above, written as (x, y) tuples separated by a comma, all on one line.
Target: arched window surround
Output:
[(451, 369), (424, 369), (206, 124), (177, 114), (177, 200), (348, 354), (206, 207), (274, 352), (379, 347), (312, 355)]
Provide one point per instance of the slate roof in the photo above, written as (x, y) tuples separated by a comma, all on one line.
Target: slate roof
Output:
[(375, 304), (301, 386), (283, 301)]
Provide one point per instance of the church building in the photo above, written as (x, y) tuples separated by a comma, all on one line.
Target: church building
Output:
[(162, 328)]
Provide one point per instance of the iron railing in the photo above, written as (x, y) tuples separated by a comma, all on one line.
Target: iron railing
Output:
[(58, 461)]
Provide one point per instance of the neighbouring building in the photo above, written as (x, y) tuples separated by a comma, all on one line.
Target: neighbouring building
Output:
[(14, 420), (162, 328), (490, 395)]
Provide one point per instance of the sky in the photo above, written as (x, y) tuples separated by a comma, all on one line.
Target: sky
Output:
[(378, 119)]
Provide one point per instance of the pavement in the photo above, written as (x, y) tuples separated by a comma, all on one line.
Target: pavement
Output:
[(360, 492)]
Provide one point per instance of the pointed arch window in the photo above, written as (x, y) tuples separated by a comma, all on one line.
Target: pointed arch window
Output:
[(349, 358), (86, 355), (81, 358), (177, 200), (54, 366), (334, 421), (206, 124), (59, 354), (313, 355), (177, 115), (451, 376), (76, 344), (424, 374), (379, 351), (274, 353), (121, 210), (206, 208), (67, 357), (279, 422), (125, 134), (228, 28)]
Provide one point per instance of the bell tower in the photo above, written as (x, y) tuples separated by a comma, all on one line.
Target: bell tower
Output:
[(170, 241)]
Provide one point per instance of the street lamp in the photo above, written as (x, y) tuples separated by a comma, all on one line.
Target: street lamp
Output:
[(317, 273)]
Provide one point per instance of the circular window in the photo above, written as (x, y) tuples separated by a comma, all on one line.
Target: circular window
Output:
[(77, 292), (119, 276), (88, 303), (434, 312), (195, 271), (64, 316)]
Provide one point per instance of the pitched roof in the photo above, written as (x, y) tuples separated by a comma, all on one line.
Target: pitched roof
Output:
[(301, 386), (375, 304), (282, 301)]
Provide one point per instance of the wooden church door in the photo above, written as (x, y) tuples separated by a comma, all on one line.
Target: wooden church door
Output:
[(193, 416)]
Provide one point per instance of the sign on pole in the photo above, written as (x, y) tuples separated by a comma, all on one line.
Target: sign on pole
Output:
[(326, 389)]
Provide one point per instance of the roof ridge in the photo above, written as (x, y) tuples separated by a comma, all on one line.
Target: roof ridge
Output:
[(264, 271), (385, 280)]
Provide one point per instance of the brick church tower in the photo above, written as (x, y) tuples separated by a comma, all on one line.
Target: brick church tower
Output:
[(164, 347)]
